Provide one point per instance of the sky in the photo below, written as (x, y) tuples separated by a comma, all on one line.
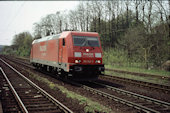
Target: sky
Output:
[(19, 16)]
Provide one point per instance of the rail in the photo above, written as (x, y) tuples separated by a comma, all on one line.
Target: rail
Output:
[(22, 106), (56, 102), (159, 102), (164, 88)]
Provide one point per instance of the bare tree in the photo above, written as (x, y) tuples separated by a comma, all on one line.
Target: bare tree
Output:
[(143, 11), (162, 9), (73, 20), (80, 12), (59, 21), (87, 15), (137, 3), (37, 31), (149, 16), (127, 13)]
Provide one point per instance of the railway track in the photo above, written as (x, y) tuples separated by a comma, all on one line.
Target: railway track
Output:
[(155, 106), (145, 101), (159, 87), (8, 101), (31, 98), (133, 100), (139, 74), (162, 88)]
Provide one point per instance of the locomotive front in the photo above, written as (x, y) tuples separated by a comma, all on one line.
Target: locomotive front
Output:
[(86, 55)]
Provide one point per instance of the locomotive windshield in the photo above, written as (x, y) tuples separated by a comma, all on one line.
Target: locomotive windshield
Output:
[(86, 41)]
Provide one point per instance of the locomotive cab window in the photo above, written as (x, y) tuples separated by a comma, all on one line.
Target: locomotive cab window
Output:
[(64, 42), (86, 41)]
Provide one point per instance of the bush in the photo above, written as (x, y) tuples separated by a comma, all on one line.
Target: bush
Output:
[(119, 58)]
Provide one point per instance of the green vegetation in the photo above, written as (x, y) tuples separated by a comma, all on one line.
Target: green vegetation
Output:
[(118, 59), (90, 105), (21, 45), (140, 70), (140, 78)]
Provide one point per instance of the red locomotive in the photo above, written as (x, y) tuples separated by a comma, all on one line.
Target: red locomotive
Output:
[(70, 53)]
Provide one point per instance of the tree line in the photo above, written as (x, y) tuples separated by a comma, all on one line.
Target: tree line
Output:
[(140, 28), (21, 45)]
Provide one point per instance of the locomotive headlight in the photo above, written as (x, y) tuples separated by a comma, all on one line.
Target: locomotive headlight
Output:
[(98, 55), (98, 61), (77, 54), (77, 61)]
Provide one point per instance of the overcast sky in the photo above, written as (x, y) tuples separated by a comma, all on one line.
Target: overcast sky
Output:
[(19, 16)]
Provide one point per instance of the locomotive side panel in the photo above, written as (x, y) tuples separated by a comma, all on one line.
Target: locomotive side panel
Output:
[(36, 51), (45, 51), (42, 50), (52, 50)]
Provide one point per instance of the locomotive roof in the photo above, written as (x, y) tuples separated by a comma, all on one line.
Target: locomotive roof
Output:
[(63, 34), (46, 38)]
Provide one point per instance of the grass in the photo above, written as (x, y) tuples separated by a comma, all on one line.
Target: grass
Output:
[(90, 105), (140, 78), (25, 58), (140, 70)]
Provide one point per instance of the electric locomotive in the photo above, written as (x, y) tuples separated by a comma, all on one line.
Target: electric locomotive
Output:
[(71, 53)]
